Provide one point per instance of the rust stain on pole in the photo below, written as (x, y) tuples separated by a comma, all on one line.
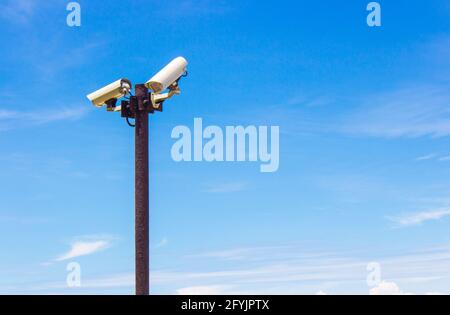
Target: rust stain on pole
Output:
[(142, 194)]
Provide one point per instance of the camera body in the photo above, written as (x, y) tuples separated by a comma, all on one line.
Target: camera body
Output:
[(111, 92), (168, 75)]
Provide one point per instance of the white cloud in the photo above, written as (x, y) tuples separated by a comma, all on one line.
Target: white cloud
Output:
[(85, 246), (426, 157), (387, 288), (162, 243), (420, 217), (445, 158), (391, 288)]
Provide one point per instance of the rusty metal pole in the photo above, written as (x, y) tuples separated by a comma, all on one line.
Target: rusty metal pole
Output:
[(142, 192)]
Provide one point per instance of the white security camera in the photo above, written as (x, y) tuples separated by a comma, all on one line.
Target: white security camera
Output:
[(111, 92), (168, 75)]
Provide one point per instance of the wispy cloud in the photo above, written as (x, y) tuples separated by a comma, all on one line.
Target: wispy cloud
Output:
[(310, 101), (289, 269), (23, 220), (231, 254), (274, 270), (56, 115), (162, 243), (444, 158), (56, 59), (426, 157), (244, 253), (297, 270), (82, 249), (17, 11), (420, 217), (7, 114), (16, 119), (409, 112), (86, 246)]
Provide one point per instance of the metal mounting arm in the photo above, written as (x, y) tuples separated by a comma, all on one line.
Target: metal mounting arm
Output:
[(158, 99)]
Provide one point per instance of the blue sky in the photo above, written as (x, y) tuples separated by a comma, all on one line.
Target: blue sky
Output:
[(364, 147)]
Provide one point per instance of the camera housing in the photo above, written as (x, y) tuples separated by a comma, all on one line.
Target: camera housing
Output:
[(168, 75), (111, 92)]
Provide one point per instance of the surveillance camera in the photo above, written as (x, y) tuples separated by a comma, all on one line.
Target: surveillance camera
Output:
[(110, 92), (168, 75)]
